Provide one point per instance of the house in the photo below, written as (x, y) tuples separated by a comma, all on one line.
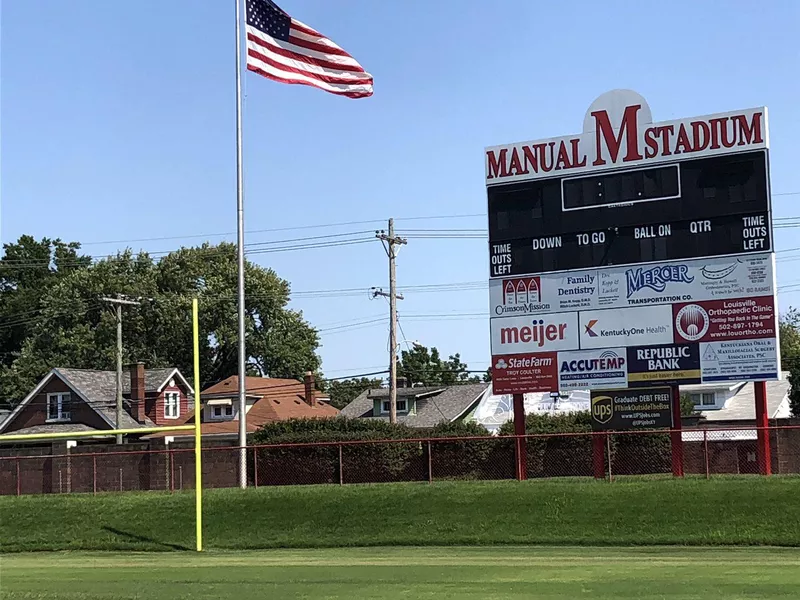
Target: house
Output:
[(495, 409), (422, 407), (71, 400), (731, 402), (267, 399)]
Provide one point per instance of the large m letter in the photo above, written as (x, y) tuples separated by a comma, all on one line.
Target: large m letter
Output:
[(604, 135)]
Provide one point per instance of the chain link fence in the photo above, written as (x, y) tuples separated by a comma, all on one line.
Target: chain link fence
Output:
[(697, 452)]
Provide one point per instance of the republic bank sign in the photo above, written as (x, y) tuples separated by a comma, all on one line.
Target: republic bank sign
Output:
[(618, 130)]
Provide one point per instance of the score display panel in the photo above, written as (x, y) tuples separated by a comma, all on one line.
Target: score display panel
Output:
[(696, 208)]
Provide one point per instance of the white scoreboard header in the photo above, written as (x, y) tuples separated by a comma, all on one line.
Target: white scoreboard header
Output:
[(618, 131)]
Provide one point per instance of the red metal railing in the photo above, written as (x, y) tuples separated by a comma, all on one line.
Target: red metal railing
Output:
[(703, 452)]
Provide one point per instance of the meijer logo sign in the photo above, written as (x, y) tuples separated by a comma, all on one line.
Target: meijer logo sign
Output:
[(535, 334)]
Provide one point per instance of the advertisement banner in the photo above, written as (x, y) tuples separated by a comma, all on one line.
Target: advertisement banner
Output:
[(523, 373), (739, 360), (544, 333), (592, 369), (631, 409), (646, 284), (668, 363), (626, 327), (718, 320)]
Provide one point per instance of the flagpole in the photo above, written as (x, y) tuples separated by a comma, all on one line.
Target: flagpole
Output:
[(240, 257)]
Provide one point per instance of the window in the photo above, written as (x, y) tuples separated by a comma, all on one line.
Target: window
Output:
[(402, 406), (58, 406), (705, 399), (221, 411), (172, 405)]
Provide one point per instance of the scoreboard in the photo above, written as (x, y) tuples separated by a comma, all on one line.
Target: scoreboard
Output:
[(633, 253), (690, 209)]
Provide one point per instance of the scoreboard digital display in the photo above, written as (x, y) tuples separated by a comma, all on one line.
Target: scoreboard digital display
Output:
[(690, 209)]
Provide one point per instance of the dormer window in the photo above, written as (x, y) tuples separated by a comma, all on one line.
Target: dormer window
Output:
[(219, 409), (221, 412), (402, 406)]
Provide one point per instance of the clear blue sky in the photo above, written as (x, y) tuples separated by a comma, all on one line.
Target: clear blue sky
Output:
[(117, 124)]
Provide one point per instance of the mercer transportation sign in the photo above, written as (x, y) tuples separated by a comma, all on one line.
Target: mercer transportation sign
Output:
[(634, 235)]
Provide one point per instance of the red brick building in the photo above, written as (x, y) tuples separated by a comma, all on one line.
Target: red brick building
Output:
[(69, 400)]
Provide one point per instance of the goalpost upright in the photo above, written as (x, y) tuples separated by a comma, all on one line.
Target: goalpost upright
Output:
[(198, 455)]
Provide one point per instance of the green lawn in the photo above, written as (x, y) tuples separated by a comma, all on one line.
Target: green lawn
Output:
[(456, 572), (693, 512)]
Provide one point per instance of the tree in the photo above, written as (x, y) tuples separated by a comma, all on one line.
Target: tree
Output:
[(789, 332), (794, 391), (687, 406), (343, 392), (421, 366), (28, 269), (75, 329)]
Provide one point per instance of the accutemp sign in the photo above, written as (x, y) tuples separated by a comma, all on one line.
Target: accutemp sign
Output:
[(602, 369), (618, 130)]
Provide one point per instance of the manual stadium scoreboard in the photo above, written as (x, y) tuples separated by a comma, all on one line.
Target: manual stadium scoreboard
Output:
[(671, 215), (692, 209)]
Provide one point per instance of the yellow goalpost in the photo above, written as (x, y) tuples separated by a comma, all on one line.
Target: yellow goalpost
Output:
[(198, 455)]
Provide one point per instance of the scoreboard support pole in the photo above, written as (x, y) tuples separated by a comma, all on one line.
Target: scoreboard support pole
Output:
[(676, 438), (599, 455), (763, 454), (521, 444)]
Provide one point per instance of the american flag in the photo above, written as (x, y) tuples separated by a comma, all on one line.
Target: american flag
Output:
[(286, 50)]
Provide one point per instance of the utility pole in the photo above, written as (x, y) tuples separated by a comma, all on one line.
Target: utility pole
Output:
[(118, 303), (391, 242)]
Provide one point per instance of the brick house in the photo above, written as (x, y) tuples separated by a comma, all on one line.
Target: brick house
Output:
[(268, 400), (70, 400)]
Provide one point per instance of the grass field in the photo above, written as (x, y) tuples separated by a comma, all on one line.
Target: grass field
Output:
[(735, 511), (457, 572)]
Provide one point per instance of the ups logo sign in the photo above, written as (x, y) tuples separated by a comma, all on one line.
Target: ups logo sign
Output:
[(602, 409)]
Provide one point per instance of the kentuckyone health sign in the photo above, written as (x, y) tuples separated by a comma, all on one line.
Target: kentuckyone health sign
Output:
[(634, 253)]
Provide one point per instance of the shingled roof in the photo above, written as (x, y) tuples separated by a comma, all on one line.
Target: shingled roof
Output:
[(434, 405), (99, 390)]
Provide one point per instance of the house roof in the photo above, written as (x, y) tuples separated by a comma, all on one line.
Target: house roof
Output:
[(254, 386), (98, 389), (434, 405), (277, 400), (742, 406)]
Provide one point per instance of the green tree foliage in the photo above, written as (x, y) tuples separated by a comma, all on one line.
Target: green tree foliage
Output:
[(74, 328), (687, 406), (421, 366), (794, 391), (789, 331), (293, 464), (343, 392), (28, 269)]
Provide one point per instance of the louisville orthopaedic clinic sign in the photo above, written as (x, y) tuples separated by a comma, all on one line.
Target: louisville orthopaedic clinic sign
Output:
[(633, 253)]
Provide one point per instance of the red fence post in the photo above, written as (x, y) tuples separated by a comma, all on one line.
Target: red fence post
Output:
[(763, 453), (94, 475), (255, 466), (598, 456), (19, 482), (341, 466), (676, 438), (519, 431), (430, 464)]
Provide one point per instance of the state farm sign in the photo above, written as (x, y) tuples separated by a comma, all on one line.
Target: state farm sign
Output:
[(618, 130)]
